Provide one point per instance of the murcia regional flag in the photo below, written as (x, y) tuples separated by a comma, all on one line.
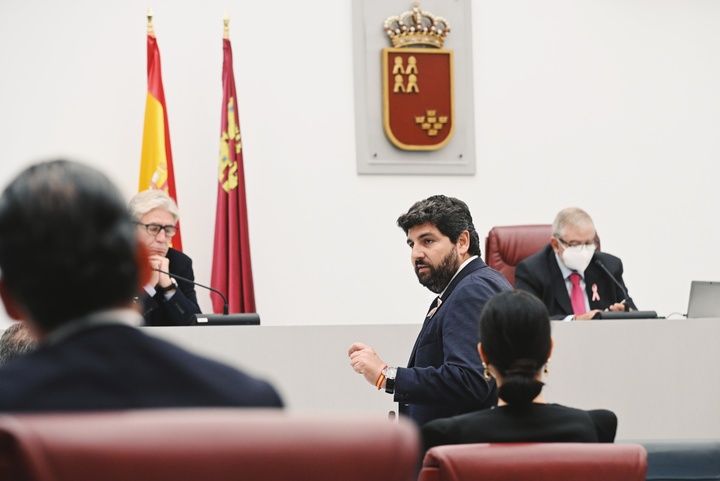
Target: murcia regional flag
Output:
[(231, 267)]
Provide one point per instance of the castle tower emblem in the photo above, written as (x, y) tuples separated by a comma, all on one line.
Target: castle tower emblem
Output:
[(418, 103)]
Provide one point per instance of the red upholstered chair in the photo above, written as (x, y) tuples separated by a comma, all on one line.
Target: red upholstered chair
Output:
[(506, 246), (535, 462), (211, 444)]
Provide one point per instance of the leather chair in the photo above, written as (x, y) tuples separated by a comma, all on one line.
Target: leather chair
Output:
[(506, 246), (535, 462), (206, 444)]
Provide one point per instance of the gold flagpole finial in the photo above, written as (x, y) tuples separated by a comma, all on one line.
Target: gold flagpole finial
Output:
[(226, 28), (150, 30)]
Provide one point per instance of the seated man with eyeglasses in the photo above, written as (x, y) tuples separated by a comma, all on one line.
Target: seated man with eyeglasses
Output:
[(165, 301), (573, 279)]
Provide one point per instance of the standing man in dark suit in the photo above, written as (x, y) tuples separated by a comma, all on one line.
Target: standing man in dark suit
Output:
[(165, 300), (70, 264), (568, 275), (444, 376)]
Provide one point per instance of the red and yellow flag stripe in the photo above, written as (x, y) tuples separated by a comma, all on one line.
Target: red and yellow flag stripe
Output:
[(156, 165)]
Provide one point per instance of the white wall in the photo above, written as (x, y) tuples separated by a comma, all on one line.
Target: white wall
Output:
[(612, 105)]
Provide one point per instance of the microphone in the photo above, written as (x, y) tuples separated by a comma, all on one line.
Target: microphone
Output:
[(175, 276), (599, 263)]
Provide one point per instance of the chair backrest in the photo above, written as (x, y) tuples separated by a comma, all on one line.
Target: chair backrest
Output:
[(212, 444), (536, 462), (506, 246)]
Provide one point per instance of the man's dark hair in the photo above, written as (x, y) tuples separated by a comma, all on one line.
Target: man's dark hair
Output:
[(450, 215), (67, 245)]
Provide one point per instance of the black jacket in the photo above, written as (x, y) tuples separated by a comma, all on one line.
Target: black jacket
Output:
[(540, 275)]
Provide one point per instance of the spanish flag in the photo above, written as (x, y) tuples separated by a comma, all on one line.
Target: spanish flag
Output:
[(231, 268), (156, 166)]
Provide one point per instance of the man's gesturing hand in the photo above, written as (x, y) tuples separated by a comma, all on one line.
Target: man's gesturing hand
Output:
[(364, 360)]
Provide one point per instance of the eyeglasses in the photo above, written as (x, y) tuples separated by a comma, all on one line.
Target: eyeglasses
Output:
[(154, 229), (588, 246)]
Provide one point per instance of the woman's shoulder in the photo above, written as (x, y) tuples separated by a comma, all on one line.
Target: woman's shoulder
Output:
[(602, 415), (604, 420), (605, 423), (460, 429), (598, 414), (460, 419)]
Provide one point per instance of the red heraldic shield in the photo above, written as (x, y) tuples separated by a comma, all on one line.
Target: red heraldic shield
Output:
[(418, 99)]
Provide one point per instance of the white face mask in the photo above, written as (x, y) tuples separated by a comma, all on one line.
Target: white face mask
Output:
[(578, 258)]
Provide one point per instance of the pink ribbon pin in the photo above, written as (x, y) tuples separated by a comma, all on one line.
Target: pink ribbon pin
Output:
[(595, 296)]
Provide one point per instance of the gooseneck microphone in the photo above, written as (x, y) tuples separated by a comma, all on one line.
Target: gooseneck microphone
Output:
[(175, 276), (599, 263)]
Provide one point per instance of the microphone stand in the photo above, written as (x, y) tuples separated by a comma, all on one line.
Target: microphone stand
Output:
[(600, 263), (180, 278)]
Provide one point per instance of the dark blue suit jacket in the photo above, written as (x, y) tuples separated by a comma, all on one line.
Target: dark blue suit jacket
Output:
[(444, 375), (539, 274), (119, 367), (181, 308)]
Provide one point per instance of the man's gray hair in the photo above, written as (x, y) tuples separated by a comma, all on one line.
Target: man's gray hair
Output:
[(16, 341), (571, 216), (147, 200)]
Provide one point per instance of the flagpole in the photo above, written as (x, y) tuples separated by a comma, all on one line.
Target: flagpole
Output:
[(150, 30), (226, 27)]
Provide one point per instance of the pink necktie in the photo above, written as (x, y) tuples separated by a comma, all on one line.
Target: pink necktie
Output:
[(576, 295)]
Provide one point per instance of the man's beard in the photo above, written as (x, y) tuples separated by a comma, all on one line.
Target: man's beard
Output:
[(437, 278)]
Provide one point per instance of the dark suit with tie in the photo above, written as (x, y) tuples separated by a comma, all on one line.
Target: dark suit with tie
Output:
[(444, 375), (181, 308), (540, 275)]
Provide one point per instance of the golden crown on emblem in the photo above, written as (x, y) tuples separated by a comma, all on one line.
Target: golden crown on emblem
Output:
[(416, 27)]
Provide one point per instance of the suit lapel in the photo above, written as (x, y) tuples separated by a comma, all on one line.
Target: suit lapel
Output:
[(594, 277), (559, 287), (467, 270)]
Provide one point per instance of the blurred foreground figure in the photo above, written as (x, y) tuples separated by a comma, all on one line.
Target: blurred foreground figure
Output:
[(15, 342), (71, 264)]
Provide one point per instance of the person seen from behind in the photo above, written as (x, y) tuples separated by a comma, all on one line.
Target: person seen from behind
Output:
[(515, 349)]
